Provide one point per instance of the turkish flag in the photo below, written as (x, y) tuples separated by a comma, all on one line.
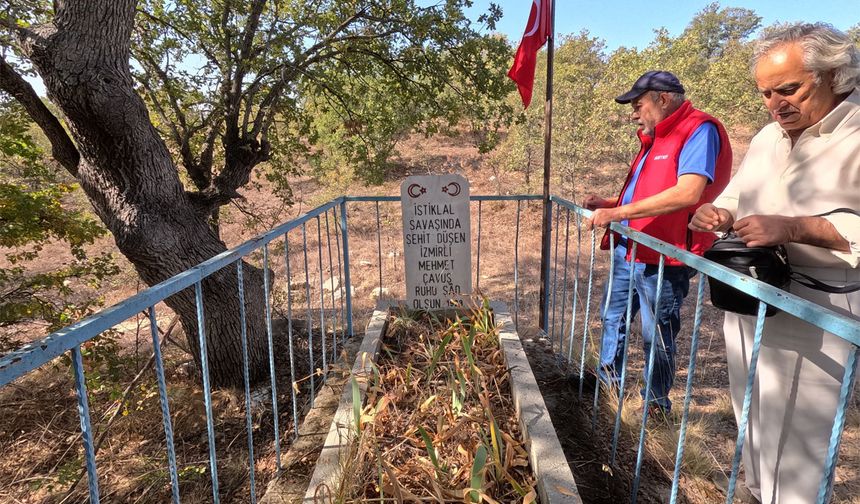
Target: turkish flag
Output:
[(535, 36)]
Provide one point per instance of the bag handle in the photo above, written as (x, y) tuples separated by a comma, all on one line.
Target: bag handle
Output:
[(838, 210), (813, 283)]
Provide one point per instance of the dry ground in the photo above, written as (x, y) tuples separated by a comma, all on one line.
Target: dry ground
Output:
[(38, 418)]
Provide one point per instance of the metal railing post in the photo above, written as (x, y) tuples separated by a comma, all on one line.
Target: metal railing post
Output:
[(207, 390), (331, 284), (545, 260), (323, 348), (655, 334), (628, 315), (553, 292), (345, 232), (379, 248), (86, 424), (517, 270), (845, 392), (691, 373), (606, 300), (344, 286), (249, 424), (310, 324), (575, 288), (165, 406), (564, 282), (290, 335), (745, 410), (478, 269), (585, 320), (271, 341)]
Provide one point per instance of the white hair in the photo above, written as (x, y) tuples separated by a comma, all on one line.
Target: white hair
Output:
[(825, 49), (675, 99)]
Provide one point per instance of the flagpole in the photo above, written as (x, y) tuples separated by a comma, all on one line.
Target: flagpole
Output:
[(546, 228)]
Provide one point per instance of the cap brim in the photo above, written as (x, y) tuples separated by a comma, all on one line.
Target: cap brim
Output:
[(629, 96)]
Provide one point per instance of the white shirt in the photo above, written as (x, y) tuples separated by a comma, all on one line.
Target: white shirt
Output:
[(821, 173)]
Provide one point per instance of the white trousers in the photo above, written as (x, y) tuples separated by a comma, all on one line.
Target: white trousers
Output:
[(795, 395)]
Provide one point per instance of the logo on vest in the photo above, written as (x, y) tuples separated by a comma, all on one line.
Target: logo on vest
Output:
[(661, 157)]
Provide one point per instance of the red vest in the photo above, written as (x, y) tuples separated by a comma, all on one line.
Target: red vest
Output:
[(660, 172)]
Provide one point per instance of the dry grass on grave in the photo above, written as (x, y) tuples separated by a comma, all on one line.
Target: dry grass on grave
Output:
[(439, 422)]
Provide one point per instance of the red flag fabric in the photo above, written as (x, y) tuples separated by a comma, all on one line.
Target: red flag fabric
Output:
[(535, 36)]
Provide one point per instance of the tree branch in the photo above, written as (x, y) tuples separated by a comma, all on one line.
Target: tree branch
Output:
[(22, 32), (184, 35), (328, 38), (267, 108), (62, 147), (251, 28), (212, 197), (248, 97), (375, 36), (201, 175), (198, 168), (174, 130), (208, 152), (165, 81), (234, 97), (251, 148)]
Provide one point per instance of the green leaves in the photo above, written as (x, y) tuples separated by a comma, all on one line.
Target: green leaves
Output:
[(34, 216), (711, 57), (356, 406), (36, 209), (430, 73), (334, 83), (15, 138), (478, 473), (431, 450), (438, 352)]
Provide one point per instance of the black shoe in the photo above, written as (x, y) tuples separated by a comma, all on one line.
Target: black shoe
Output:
[(658, 412), (588, 382)]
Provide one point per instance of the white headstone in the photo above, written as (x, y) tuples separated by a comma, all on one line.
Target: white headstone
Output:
[(437, 240)]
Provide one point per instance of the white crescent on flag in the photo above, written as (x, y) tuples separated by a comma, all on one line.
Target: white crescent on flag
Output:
[(536, 25), (538, 30)]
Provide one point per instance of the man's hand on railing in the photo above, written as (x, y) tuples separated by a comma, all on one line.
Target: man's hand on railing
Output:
[(593, 202), (604, 211), (602, 217), (709, 218)]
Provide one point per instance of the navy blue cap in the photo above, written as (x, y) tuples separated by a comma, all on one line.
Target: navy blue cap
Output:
[(655, 80)]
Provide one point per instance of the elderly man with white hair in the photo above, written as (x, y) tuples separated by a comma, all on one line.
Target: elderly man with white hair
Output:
[(804, 164)]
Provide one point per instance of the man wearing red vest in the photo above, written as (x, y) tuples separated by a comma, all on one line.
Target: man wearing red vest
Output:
[(685, 160)]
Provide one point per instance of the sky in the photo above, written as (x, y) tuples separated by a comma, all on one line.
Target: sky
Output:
[(632, 23)]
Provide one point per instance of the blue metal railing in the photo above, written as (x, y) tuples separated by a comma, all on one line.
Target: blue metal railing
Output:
[(840, 325), (337, 322), (334, 322), (34, 355)]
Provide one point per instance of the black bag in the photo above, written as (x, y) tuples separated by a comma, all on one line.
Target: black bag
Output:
[(768, 264)]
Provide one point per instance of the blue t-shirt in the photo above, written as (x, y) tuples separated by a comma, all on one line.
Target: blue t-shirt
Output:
[(698, 156)]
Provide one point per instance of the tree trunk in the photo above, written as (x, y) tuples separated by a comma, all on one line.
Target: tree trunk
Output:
[(131, 181)]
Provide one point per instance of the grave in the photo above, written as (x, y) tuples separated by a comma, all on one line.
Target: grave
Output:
[(437, 256)]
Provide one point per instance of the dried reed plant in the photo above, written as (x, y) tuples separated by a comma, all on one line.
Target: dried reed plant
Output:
[(439, 423)]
